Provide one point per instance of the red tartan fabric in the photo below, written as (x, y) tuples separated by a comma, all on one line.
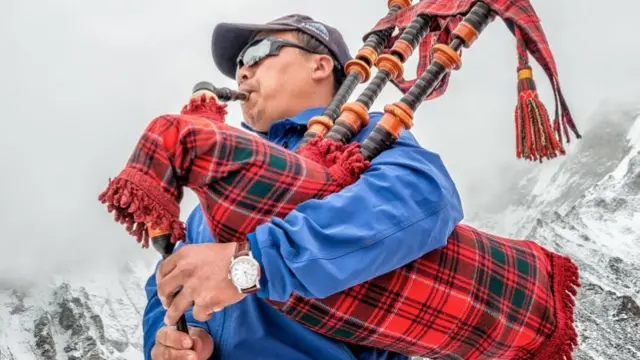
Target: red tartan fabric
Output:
[(439, 32), (447, 14), (480, 297), (241, 180)]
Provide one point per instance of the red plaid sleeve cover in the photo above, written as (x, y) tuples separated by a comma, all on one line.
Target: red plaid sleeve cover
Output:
[(480, 297), (240, 180)]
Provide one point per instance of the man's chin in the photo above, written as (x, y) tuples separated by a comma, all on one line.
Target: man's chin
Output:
[(250, 120)]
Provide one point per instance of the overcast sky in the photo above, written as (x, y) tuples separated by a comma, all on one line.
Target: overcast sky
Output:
[(79, 80)]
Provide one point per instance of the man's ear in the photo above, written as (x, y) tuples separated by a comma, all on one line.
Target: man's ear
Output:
[(322, 67)]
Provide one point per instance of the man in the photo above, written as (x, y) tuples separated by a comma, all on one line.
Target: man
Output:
[(404, 206)]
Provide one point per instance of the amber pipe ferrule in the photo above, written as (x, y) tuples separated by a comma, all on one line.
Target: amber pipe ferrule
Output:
[(320, 125), (397, 118), (355, 115), (391, 64), (153, 232), (402, 49), (446, 56), (368, 55), (402, 3), (467, 33), (360, 67)]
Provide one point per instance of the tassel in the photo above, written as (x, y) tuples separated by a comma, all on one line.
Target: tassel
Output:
[(567, 120), (535, 137), (132, 197)]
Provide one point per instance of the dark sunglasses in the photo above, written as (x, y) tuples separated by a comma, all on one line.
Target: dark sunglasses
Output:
[(260, 48)]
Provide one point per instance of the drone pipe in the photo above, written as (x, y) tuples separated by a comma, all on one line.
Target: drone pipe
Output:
[(161, 241), (222, 93), (399, 115), (161, 238), (355, 115), (358, 71)]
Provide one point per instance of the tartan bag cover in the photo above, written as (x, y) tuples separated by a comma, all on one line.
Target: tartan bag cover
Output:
[(480, 297)]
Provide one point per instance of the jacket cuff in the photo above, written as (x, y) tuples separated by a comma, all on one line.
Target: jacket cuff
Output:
[(257, 254)]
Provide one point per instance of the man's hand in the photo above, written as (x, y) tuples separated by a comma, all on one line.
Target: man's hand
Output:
[(172, 344), (200, 272)]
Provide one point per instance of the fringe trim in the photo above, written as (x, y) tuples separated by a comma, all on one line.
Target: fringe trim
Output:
[(344, 161), (206, 107), (565, 339), (349, 164), (138, 201), (317, 150)]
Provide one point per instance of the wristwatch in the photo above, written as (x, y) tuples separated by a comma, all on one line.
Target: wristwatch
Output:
[(244, 271)]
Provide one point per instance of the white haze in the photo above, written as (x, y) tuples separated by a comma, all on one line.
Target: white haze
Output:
[(80, 79)]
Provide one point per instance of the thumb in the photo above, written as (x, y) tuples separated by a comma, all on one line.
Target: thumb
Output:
[(198, 347)]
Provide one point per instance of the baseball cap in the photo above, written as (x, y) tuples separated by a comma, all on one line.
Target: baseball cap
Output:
[(229, 39)]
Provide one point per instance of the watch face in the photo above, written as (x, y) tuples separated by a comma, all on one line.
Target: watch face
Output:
[(244, 272)]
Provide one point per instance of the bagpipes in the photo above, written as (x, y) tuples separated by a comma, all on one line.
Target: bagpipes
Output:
[(479, 297)]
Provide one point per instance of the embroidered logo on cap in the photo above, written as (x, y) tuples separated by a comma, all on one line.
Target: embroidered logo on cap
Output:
[(317, 28)]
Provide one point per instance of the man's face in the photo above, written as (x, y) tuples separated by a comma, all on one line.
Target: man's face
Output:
[(277, 85)]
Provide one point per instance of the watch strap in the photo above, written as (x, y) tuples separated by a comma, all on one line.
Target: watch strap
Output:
[(242, 249), (251, 290)]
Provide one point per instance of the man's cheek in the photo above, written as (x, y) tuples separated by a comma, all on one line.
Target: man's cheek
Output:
[(270, 90)]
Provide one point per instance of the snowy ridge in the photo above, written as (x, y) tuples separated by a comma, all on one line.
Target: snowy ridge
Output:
[(556, 186), (598, 226), (75, 317)]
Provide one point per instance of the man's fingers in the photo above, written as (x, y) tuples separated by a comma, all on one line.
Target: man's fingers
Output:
[(169, 264), (173, 344), (180, 304), (166, 266), (207, 304), (160, 352), (171, 283), (197, 345), (202, 342), (170, 337), (203, 311)]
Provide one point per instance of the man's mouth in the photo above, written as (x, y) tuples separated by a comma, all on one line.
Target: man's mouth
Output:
[(247, 102), (248, 94)]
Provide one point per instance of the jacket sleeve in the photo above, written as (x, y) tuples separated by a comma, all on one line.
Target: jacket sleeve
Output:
[(154, 312), (402, 207)]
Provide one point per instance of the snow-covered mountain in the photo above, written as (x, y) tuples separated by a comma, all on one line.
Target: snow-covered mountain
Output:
[(586, 205), (75, 317), (558, 185)]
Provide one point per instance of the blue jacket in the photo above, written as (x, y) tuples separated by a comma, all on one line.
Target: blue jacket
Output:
[(402, 207)]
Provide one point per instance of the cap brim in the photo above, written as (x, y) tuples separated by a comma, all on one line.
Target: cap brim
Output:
[(229, 39)]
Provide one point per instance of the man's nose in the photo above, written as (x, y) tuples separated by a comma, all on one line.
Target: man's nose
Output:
[(243, 74)]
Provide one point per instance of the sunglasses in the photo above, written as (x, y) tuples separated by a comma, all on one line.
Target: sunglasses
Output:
[(261, 48)]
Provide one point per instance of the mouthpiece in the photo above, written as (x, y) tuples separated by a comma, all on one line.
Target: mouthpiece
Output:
[(223, 93)]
